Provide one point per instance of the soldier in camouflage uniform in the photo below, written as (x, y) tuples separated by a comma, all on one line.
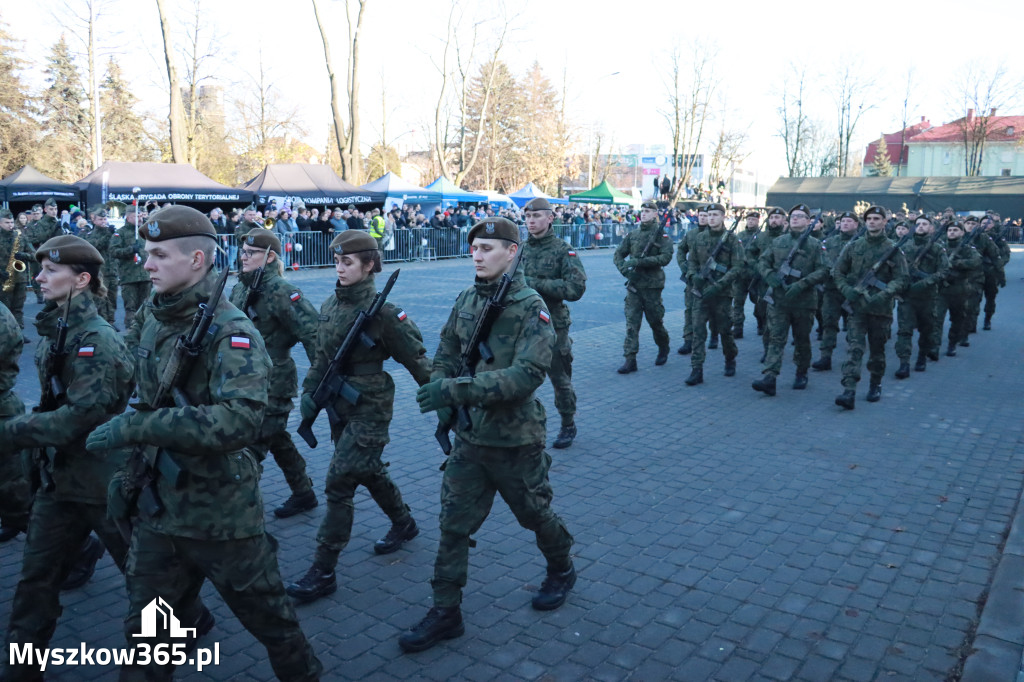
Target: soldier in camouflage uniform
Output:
[(15, 495), (553, 270), (794, 298), (831, 298), (209, 523), (872, 308), (503, 450), (993, 260), (742, 282), (45, 227), (14, 284), (247, 225), (283, 317), (100, 237), (362, 431), (640, 258), (682, 251), (964, 263), (71, 501), (129, 251), (776, 226), (927, 267)]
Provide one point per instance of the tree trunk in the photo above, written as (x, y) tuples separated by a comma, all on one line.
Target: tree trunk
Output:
[(176, 117), (339, 123), (94, 88), (355, 175)]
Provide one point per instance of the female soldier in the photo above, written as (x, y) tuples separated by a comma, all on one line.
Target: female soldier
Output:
[(362, 431)]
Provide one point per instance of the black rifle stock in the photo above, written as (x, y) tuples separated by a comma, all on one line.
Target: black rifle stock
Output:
[(711, 265), (870, 278), (54, 392), (914, 266), (786, 270), (334, 383)]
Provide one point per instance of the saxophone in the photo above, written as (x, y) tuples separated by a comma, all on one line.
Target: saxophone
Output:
[(13, 264)]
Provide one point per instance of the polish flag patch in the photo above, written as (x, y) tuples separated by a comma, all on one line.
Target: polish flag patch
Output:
[(401, 315), (240, 342), (544, 317), (295, 295), (572, 253), (86, 351)]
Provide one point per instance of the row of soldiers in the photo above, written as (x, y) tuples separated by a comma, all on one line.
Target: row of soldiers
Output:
[(171, 486), (856, 273)]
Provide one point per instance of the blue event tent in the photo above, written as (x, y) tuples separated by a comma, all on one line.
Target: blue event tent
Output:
[(398, 192), (453, 194), (530, 191)]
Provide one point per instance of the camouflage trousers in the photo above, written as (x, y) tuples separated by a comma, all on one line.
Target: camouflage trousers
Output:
[(134, 294), (914, 312), (15, 301), (15, 491), (473, 475), (687, 316), (274, 438), (991, 290), (56, 532), (356, 462), (781, 319), (108, 307), (711, 312), (876, 329), (739, 300), (244, 572), (831, 313), (956, 305), (561, 376), (639, 304), (976, 293)]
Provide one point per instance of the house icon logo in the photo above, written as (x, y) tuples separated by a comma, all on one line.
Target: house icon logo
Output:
[(158, 615)]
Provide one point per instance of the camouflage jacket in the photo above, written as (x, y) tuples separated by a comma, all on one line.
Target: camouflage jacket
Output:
[(996, 235), (730, 256), (831, 248), (854, 263), (553, 270), (97, 376), (396, 336), (10, 352), (130, 254), (991, 258), (503, 409), (7, 240), (762, 241), (647, 272), (964, 262), (283, 317), (227, 387), (683, 250), (746, 238), (809, 260), (42, 230), (100, 237), (929, 271)]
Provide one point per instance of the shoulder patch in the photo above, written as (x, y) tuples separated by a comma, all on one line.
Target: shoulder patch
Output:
[(324, 318), (295, 296), (544, 317), (86, 351), (241, 342), (401, 315), (571, 252)]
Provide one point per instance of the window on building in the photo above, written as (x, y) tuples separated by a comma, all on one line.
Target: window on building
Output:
[(1009, 131), (1006, 172)]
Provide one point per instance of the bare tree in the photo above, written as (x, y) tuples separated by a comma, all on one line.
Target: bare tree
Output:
[(690, 88), (981, 91), (175, 117), (903, 128), (794, 123), (850, 92), (267, 125)]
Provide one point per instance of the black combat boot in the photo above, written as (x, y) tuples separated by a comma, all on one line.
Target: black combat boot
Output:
[(737, 333), (565, 437), (800, 382), (315, 584), (85, 564), (296, 504), (904, 371), (696, 377), (966, 343), (766, 384), (760, 329), (951, 351), (988, 323), (921, 363), (874, 392), (441, 622), (847, 399), (555, 589), (713, 343), (933, 355), (628, 366), (662, 356), (398, 535), (685, 349), (730, 367), (822, 364)]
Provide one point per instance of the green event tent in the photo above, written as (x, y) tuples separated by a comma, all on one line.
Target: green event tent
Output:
[(602, 194)]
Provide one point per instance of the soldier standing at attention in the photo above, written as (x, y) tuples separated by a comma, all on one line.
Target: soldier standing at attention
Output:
[(283, 317), (831, 299), (209, 523), (129, 249), (100, 237), (95, 373), (760, 243), (648, 250), (927, 267), (503, 450), (14, 281), (15, 495), (794, 298), (683, 250), (742, 282), (872, 308), (712, 297), (362, 431), (553, 270)]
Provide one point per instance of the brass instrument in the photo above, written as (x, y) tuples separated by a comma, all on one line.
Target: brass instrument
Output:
[(269, 223), (13, 264)]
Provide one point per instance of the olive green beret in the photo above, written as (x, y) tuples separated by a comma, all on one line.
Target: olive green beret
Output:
[(175, 222), (537, 204), (848, 214), (876, 210), (353, 241), (970, 218), (752, 214), (715, 207), (262, 238), (50, 202), (494, 228), (801, 207), (650, 204), (776, 211), (68, 249)]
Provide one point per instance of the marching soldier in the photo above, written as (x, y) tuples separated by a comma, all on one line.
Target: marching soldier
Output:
[(994, 256), (954, 290), (794, 298), (760, 244), (682, 251), (641, 258), (283, 317), (927, 267), (362, 431), (872, 308), (14, 259), (503, 450), (742, 283), (129, 250), (831, 298), (15, 495), (100, 237), (207, 522), (247, 225), (553, 270)]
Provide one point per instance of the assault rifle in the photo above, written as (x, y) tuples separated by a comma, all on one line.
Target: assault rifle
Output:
[(148, 462), (334, 383), (711, 265), (870, 278), (54, 392), (477, 350), (786, 270), (656, 234), (914, 266), (255, 288)]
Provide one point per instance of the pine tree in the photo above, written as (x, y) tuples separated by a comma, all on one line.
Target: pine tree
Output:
[(124, 137), (882, 165), (66, 148), (18, 129)]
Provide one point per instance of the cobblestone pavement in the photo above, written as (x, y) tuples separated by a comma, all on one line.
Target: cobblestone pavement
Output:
[(720, 534)]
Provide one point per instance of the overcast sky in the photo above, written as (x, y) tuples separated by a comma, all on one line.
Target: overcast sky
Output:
[(587, 41)]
